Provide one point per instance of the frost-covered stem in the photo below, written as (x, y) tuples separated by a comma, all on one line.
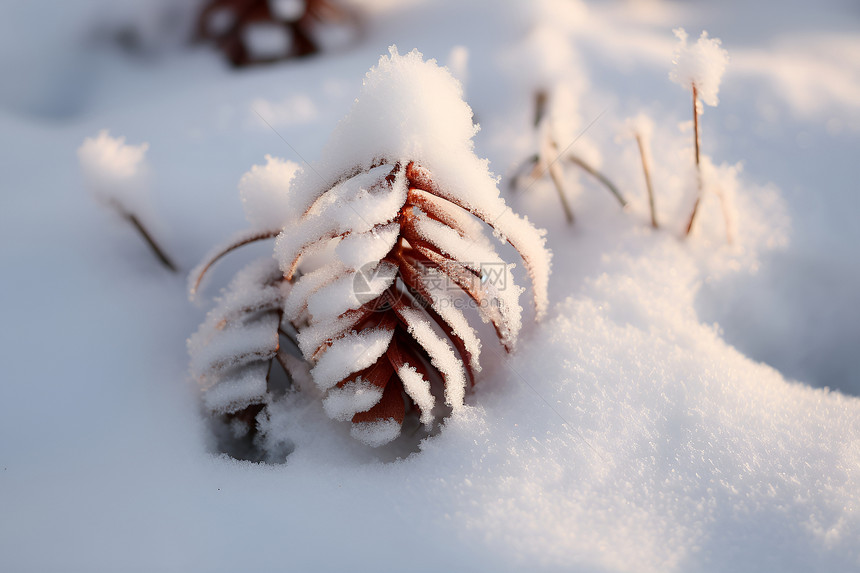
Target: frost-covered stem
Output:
[(599, 176), (556, 176), (547, 158), (528, 164), (648, 186), (540, 106), (277, 357), (282, 362), (696, 122), (552, 166), (288, 336), (241, 241), (150, 241), (697, 141)]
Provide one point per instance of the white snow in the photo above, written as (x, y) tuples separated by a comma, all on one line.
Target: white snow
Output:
[(441, 356), (234, 393), (297, 302), (231, 348), (218, 350), (350, 353), (357, 250), (314, 335), (254, 288), (355, 206), (343, 403), (415, 110), (115, 172), (544, 57), (350, 291), (375, 433), (458, 63), (419, 390), (643, 125), (264, 191), (723, 181), (669, 414)]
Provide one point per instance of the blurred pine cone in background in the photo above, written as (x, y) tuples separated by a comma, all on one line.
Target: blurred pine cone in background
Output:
[(263, 31)]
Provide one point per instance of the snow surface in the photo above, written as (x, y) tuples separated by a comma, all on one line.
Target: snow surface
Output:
[(670, 414)]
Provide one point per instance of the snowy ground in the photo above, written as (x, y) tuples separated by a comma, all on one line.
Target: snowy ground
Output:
[(670, 414)]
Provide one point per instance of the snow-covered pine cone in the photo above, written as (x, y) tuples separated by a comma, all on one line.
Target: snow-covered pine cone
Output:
[(261, 31), (403, 241), (406, 251)]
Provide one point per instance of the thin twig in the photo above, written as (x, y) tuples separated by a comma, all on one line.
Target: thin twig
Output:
[(150, 241), (278, 351), (288, 336), (696, 122), (240, 242), (283, 363), (529, 163), (557, 177), (647, 173), (599, 176), (697, 139), (541, 170), (553, 167), (548, 157), (540, 107)]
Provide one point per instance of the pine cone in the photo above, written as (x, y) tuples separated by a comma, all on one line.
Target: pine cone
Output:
[(286, 29), (382, 320), (407, 245)]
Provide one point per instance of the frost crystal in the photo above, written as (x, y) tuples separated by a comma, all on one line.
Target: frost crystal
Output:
[(701, 64), (115, 171)]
